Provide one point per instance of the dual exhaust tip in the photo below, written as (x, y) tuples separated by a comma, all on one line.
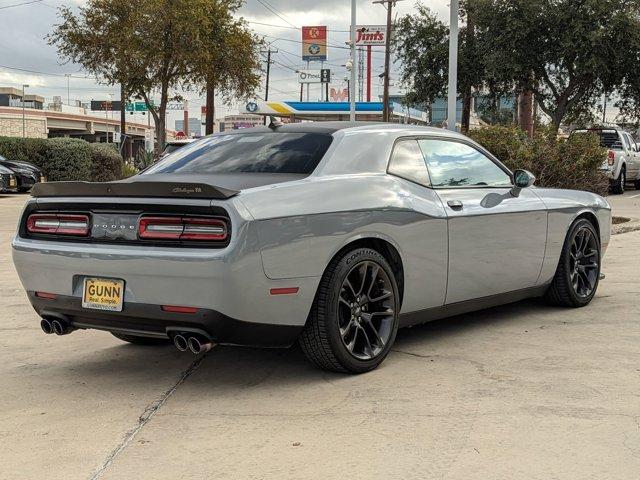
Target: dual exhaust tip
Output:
[(59, 327), (196, 344)]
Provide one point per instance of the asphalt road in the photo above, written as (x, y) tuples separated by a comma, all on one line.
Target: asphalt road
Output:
[(524, 391)]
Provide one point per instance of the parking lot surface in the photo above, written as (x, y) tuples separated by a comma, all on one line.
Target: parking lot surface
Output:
[(524, 391)]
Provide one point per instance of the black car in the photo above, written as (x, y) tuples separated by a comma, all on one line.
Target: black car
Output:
[(7, 180), (27, 175)]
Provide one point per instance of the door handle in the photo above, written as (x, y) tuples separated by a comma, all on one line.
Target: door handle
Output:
[(455, 204)]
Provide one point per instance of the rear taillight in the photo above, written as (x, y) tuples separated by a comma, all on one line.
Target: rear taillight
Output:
[(182, 228), (58, 224), (611, 157)]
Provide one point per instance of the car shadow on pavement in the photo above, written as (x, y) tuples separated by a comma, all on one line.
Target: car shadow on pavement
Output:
[(226, 369)]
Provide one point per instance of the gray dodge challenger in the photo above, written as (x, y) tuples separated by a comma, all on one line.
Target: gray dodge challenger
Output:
[(333, 235)]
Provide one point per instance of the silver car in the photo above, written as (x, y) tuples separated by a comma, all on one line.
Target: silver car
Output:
[(330, 234)]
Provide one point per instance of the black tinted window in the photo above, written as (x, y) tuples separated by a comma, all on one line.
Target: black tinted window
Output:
[(453, 164), (267, 152), (407, 162)]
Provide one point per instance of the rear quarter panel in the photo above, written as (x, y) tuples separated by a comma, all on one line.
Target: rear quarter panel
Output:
[(302, 225)]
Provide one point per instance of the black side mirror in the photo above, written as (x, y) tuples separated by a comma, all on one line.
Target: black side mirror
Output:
[(522, 179)]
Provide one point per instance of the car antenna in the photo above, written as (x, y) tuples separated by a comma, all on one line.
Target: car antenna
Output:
[(274, 123)]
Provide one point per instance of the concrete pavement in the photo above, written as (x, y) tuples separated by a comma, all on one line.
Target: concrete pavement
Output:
[(524, 391)]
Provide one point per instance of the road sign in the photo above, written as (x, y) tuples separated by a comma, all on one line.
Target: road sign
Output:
[(137, 107), (371, 35), (314, 44), (105, 105)]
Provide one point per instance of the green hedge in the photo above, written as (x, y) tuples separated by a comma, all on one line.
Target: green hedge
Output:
[(107, 163), (572, 163), (65, 158)]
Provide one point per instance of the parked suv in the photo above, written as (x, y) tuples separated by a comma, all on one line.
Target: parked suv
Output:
[(623, 159)]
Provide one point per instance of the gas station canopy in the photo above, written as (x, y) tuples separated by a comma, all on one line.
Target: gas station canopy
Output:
[(326, 111)]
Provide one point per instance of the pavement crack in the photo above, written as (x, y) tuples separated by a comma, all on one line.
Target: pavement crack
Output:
[(148, 413)]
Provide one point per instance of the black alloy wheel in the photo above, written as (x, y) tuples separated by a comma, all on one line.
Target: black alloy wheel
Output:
[(366, 310), (584, 266), (578, 273)]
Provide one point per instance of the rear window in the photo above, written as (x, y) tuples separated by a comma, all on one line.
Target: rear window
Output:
[(608, 138), (265, 152)]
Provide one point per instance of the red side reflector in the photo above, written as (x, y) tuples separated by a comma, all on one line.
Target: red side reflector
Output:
[(284, 291), (178, 309), (48, 296)]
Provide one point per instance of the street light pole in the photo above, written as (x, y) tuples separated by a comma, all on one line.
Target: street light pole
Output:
[(24, 125), (453, 67), (352, 83), (68, 75)]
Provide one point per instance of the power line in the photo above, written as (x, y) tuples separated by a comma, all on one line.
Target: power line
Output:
[(20, 4), (271, 9), (44, 73), (289, 27)]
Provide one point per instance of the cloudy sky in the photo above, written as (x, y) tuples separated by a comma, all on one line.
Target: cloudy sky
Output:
[(25, 56)]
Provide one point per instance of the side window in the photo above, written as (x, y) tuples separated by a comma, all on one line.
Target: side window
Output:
[(453, 164), (630, 142), (407, 162), (625, 141)]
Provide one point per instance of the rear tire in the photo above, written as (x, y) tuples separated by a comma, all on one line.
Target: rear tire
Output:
[(619, 185), (354, 318), (578, 274), (139, 340)]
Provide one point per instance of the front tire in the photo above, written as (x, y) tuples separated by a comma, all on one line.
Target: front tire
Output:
[(578, 273), (354, 318)]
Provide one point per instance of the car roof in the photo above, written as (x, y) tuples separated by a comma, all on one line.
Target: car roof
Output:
[(336, 126)]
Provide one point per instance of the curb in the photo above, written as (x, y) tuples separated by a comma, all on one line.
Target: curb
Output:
[(633, 225)]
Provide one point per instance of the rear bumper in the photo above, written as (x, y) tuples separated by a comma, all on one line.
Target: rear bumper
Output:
[(230, 281), (151, 320)]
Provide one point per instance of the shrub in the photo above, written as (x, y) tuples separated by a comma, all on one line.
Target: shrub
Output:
[(107, 164), (128, 170), (67, 159), (572, 163)]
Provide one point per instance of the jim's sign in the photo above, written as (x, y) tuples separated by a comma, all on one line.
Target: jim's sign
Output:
[(371, 35)]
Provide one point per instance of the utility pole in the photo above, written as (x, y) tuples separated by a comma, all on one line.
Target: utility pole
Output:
[(388, 4), (24, 124), (352, 82), (68, 75), (269, 51), (452, 92), (123, 124)]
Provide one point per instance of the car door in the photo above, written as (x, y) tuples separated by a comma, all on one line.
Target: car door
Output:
[(633, 162), (497, 236)]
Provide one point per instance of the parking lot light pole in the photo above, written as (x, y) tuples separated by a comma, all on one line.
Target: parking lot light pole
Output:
[(24, 124), (452, 92)]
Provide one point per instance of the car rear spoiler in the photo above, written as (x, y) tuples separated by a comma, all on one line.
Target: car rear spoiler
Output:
[(169, 189)]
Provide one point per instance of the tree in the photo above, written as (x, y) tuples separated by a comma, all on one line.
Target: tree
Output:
[(422, 48), (567, 52), (160, 46)]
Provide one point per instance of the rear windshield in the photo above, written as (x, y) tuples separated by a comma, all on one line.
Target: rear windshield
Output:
[(265, 152), (171, 147), (608, 138)]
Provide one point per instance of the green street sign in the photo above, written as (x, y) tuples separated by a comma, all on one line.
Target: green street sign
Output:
[(137, 107)]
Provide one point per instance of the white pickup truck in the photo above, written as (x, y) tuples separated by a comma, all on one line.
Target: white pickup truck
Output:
[(623, 160)]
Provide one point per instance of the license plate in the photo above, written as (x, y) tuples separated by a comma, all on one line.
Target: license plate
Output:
[(103, 294)]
